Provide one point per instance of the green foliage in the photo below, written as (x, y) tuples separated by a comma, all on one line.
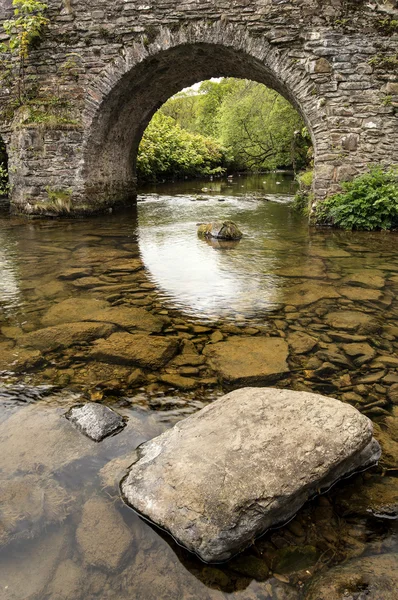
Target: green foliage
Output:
[(304, 196), (368, 202), (23, 31), (253, 127), (25, 27), (4, 187), (167, 151), (386, 62), (58, 203), (262, 129), (306, 178), (49, 111)]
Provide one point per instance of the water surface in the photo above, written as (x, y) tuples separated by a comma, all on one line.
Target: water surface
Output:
[(281, 279)]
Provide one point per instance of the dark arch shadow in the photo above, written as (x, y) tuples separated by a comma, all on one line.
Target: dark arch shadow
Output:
[(4, 184)]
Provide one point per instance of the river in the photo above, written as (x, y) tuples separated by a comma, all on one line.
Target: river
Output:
[(66, 285)]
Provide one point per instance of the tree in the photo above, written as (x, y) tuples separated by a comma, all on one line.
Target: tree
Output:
[(23, 30), (261, 128)]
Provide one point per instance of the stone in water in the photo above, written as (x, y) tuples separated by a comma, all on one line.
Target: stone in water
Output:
[(95, 420), (223, 230), (245, 463)]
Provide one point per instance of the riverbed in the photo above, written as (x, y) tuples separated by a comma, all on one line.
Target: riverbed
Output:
[(71, 294)]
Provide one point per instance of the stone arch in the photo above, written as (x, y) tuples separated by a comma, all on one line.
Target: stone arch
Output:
[(124, 97)]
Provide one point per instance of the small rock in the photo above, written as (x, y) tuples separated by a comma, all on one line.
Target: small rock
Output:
[(377, 496), (393, 393), (387, 361), (250, 566), (217, 336), (136, 377), (301, 342), (71, 274), (360, 352), (295, 558), (68, 581), (360, 294), (309, 293), (183, 383), (96, 421), (372, 377)]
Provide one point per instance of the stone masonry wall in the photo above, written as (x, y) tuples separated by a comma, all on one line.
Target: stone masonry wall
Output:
[(102, 69)]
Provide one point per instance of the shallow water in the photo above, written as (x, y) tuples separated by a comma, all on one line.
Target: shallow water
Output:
[(281, 279)]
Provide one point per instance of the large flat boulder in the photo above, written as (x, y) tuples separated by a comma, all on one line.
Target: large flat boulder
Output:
[(244, 464), (249, 360)]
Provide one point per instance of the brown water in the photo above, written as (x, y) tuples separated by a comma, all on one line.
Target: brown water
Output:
[(64, 532)]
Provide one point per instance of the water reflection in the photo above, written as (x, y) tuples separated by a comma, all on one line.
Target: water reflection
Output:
[(59, 273), (239, 279), (10, 293)]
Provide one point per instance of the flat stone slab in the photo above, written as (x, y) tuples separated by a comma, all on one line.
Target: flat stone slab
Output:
[(245, 463), (96, 421), (350, 320), (151, 352), (249, 360)]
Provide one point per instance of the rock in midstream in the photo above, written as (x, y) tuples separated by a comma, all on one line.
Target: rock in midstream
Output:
[(245, 463), (222, 230)]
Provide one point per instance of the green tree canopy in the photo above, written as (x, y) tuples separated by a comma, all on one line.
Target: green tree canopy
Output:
[(248, 126)]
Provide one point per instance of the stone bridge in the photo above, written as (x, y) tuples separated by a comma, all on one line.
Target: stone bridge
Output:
[(103, 68)]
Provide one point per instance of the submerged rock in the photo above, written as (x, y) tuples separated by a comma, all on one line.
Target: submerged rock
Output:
[(248, 360), (102, 535), (370, 578), (265, 452), (64, 336), (151, 352), (95, 420), (72, 309), (29, 503), (350, 320), (128, 317), (222, 230)]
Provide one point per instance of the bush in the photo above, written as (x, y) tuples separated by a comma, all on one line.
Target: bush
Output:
[(368, 202), (167, 151)]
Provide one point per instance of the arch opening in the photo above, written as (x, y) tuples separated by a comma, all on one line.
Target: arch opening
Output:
[(219, 127), (123, 113)]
